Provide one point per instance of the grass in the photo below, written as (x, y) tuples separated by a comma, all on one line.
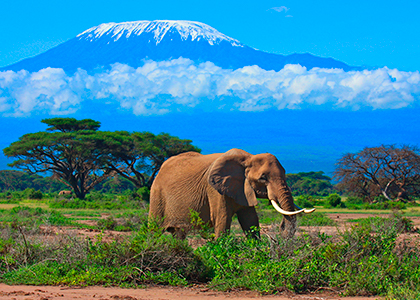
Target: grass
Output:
[(365, 259)]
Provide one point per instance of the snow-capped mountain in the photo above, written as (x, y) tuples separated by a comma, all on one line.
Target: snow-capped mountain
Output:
[(133, 42), (194, 31)]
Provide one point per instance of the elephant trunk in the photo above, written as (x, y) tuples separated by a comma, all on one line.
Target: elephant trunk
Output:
[(282, 201)]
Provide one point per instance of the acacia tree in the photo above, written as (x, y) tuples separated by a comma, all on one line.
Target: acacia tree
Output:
[(385, 170), (70, 149), (138, 156)]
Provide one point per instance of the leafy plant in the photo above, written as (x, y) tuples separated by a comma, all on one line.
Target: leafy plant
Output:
[(334, 200)]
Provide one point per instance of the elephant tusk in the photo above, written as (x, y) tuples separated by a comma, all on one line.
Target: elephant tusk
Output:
[(305, 210), (284, 212)]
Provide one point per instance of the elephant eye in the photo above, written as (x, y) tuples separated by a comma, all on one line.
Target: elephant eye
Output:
[(263, 178)]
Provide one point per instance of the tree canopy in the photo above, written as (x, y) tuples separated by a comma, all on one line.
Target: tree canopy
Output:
[(138, 156), (81, 156), (387, 170), (71, 124), (309, 183)]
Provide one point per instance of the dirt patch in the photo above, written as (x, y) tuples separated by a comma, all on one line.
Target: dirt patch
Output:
[(26, 292)]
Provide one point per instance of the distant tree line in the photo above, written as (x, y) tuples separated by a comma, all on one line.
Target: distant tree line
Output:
[(79, 155), (310, 183), (11, 180)]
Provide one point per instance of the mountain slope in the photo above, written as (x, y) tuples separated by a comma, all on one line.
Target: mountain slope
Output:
[(132, 42)]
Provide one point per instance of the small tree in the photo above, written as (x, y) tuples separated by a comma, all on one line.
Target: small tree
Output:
[(385, 170), (70, 149)]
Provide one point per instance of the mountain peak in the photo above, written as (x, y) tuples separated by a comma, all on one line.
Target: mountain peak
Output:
[(188, 30), (132, 43)]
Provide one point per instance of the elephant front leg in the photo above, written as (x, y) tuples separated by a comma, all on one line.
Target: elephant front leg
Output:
[(222, 219), (248, 219), (222, 226)]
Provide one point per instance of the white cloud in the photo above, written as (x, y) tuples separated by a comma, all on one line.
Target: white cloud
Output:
[(180, 85), (280, 9)]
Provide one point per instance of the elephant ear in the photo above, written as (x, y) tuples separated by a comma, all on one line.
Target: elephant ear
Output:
[(227, 176)]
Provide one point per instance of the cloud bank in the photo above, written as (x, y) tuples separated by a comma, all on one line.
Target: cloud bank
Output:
[(182, 85)]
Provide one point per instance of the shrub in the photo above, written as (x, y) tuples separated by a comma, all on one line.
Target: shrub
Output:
[(305, 201), (354, 202), (334, 200)]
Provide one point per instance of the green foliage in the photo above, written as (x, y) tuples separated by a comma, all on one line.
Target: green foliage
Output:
[(82, 157), (334, 200), (27, 216), (384, 205), (32, 194), (353, 202), (309, 183), (138, 156), (147, 256), (315, 219), (74, 157), (398, 292), (109, 223), (204, 229), (115, 185), (381, 203), (308, 201), (71, 124), (11, 180), (144, 193), (365, 261), (305, 201), (96, 200), (401, 223)]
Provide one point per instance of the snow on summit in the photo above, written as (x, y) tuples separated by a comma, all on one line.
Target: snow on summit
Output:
[(194, 31)]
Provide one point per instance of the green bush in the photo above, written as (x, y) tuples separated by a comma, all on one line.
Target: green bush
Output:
[(305, 201), (33, 194), (354, 202), (384, 205), (334, 200)]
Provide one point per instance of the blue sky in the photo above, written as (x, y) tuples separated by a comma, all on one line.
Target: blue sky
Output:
[(308, 118), (371, 33)]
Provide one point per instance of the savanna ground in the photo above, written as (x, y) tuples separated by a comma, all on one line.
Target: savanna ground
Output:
[(100, 227)]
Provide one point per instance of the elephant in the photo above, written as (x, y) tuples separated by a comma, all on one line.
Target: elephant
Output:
[(217, 186), (64, 192)]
